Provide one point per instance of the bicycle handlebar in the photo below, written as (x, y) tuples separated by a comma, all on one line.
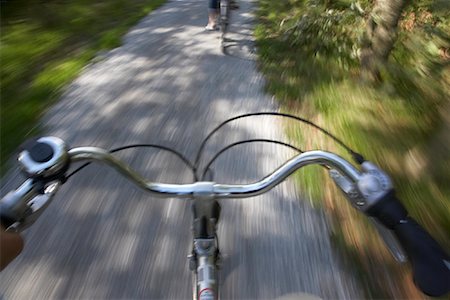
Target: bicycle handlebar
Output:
[(46, 161), (214, 189)]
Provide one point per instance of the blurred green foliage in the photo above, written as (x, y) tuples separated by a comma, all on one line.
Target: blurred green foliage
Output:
[(309, 52), (326, 28), (44, 45)]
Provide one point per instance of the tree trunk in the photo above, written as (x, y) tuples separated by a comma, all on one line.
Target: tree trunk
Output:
[(380, 36)]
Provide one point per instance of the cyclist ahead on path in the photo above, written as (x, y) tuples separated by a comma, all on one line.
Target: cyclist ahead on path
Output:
[(213, 13)]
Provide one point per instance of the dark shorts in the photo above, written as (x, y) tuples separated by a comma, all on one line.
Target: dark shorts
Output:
[(213, 4)]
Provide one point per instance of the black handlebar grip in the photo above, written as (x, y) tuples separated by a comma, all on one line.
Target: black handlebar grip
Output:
[(430, 263)]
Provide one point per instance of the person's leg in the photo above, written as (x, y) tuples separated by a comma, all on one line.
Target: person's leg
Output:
[(213, 8)]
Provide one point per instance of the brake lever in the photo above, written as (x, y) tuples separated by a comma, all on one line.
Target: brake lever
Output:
[(36, 207), (24, 206), (391, 241), (361, 202)]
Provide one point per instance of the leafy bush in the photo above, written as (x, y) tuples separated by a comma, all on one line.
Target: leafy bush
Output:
[(326, 28)]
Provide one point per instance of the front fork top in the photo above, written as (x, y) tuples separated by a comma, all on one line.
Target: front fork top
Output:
[(205, 254)]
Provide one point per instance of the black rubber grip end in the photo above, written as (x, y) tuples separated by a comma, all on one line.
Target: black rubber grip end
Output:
[(430, 263)]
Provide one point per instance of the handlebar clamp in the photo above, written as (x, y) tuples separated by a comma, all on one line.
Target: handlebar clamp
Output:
[(371, 187)]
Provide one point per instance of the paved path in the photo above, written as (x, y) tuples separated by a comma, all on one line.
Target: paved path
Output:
[(102, 238)]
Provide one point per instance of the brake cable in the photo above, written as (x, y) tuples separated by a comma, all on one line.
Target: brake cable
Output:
[(358, 158), (178, 154), (194, 167), (205, 171)]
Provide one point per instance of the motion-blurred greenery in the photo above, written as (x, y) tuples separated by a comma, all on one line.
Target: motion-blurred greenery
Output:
[(309, 53), (44, 45)]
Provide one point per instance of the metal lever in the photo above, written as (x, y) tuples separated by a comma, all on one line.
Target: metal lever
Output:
[(25, 205), (391, 241)]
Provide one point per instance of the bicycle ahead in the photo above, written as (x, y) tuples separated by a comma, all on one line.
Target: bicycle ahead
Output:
[(224, 20), (46, 162)]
